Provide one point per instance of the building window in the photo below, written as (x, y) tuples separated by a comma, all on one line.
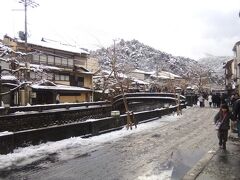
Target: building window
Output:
[(80, 62), (57, 77), (64, 62), (67, 78), (50, 60), (70, 62), (43, 59), (80, 81), (58, 61), (61, 77), (35, 58)]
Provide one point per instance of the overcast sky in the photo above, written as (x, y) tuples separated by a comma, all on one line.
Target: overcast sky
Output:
[(190, 28)]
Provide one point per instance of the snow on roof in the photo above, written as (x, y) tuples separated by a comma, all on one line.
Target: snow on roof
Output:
[(165, 75), (45, 67), (161, 76), (141, 71), (59, 46), (119, 74), (59, 87), (4, 133), (4, 47), (83, 69), (54, 45), (41, 66), (8, 77), (139, 82), (170, 75)]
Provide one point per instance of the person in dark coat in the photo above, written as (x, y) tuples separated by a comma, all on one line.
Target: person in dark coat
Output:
[(218, 100), (214, 100), (222, 119)]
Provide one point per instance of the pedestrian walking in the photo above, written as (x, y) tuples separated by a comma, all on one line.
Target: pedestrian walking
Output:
[(201, 101), (210, 100), (222, 122), (214, 100), (218, 100)]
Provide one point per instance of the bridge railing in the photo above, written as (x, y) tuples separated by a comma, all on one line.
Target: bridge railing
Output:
[(40, 108), (144, 94), (32, 120)]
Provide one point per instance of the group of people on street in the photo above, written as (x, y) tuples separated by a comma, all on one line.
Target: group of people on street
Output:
[(224, 117), (214, 100)]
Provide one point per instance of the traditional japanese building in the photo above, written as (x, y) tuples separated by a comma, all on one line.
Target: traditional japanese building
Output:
[(61, 64), (236, 61)]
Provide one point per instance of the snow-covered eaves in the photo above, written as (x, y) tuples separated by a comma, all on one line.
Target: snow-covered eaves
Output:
[(59, 46), (165, 75), (160, 77), (168, 74), (141, 72), (8, 77), (121, 75), (41, 66), (60, 87), (101, 91), (4, 47), (54, 45), (139, 82), (83, 70)]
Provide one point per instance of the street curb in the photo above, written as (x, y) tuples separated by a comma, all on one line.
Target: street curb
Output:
[(197, 169)]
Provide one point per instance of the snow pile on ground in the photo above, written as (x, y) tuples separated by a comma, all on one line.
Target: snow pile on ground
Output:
[(70, 148)]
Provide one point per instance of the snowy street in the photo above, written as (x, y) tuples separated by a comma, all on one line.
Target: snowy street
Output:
[(161, 149)]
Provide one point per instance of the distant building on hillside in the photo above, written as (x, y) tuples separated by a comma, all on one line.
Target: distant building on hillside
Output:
[(140, 74)]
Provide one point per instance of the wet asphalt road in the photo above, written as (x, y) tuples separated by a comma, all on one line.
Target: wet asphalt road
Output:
[(162, 152)]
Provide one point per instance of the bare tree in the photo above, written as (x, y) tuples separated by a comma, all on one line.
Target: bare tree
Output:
[(117, 72), (16, 68)]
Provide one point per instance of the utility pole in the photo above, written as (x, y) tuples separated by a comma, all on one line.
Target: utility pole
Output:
[(26, 96), (32, 4), (27, 3)]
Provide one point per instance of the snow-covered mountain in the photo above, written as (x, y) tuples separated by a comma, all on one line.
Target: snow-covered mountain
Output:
[(138, 55), (215, 63)]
